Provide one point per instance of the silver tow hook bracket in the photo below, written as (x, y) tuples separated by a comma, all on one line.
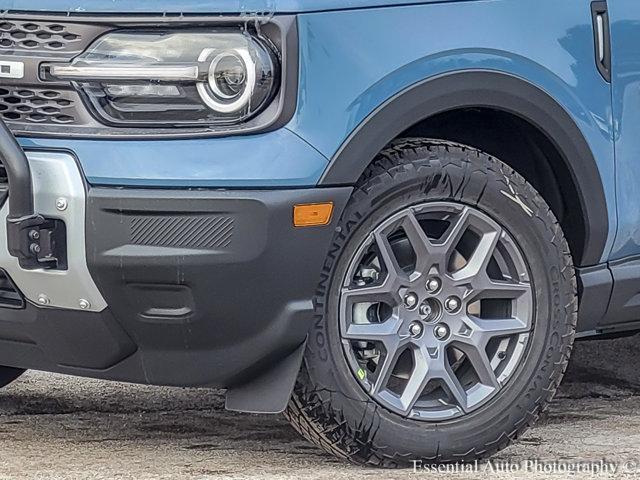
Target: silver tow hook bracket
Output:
[(36, 241)]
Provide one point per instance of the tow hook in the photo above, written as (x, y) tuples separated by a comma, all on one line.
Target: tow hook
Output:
[(36, 241)]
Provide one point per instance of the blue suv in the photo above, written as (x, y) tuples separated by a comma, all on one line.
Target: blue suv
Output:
[(389, 219)]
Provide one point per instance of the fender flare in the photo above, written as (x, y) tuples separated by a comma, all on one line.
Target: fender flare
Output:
[(490, 89)]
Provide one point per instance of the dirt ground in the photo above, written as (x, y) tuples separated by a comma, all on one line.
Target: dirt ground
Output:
[(53, 426)]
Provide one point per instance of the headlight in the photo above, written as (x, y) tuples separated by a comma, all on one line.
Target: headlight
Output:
[(232, 77), (183, 78)]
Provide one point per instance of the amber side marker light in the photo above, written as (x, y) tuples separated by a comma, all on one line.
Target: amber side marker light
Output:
[(312, 214)]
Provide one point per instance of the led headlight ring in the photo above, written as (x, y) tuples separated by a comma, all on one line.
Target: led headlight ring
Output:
[(209, 91)]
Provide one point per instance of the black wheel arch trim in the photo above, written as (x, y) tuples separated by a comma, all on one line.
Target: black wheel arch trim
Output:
[(490, 89)]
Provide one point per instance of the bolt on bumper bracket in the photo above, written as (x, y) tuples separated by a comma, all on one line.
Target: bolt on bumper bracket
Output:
[(36, 241)]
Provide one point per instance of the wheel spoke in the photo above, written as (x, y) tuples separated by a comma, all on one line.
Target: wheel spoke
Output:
[(385, 332), (420, 243), (417, 381), (477, 265), (455, 388), (455, 231), (394, 270), (484, 287), (373, 294), (439, 368), (385, 369), (480, 362), (496, 327)]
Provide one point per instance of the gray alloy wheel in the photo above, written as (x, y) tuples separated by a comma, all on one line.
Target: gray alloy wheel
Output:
[(436, 310), (445, 312)]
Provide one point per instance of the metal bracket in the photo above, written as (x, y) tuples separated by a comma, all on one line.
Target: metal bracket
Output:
[(60, 199), (38, 242)]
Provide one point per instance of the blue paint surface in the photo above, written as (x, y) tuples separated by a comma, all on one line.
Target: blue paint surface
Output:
[(625, 40), (198, 6), (352, 61), (392, 49), (278, 158)]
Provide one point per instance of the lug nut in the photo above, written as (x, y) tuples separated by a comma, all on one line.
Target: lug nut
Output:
[(61, 203), (452, 304), (433, 285), (441, 331), (410, 300), (415, 329), (43, 299)]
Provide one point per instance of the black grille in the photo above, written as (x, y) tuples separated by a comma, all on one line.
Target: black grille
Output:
[(49, 36), (31, 105)]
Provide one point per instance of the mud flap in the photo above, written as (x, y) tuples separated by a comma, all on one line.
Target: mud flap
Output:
[(270, 392)]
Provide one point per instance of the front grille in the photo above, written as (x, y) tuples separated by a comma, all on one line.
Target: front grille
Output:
[(38, 36), (32, 105)]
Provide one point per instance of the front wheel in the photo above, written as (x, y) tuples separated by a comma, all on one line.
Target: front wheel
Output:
[(447, 316)]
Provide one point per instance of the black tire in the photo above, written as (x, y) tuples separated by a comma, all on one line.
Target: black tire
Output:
[(8, 375), (331, 409)]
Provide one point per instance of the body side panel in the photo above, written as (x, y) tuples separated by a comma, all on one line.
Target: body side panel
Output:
[(340, 87), (389, 50), (625, 32)]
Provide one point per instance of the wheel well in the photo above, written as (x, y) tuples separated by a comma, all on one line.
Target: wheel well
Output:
[(524, 148)]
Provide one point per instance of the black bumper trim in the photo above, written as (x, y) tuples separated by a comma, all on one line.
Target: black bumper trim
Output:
[(205, 288)]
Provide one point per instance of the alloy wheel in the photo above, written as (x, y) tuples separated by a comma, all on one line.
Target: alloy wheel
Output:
[(435, 311)]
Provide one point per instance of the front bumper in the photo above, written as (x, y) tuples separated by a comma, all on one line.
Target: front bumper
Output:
[(200, 287)]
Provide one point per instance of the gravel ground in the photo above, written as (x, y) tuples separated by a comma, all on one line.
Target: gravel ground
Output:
[(54, 426)]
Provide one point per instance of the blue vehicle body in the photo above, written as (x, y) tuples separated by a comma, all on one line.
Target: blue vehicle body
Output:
[(339, 88), (361, 63), (203, 6)]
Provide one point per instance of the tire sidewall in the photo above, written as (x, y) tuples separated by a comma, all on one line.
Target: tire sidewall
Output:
[(472, 178)]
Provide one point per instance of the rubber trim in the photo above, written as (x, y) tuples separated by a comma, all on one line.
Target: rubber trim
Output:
[(595, 286), (269, 392), (480, 88), (623, 307)]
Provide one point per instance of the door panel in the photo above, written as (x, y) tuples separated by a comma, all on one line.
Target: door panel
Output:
[(624, 21), (624, 17)]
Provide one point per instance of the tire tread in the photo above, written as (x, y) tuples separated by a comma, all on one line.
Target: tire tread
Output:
[(318, 420)]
